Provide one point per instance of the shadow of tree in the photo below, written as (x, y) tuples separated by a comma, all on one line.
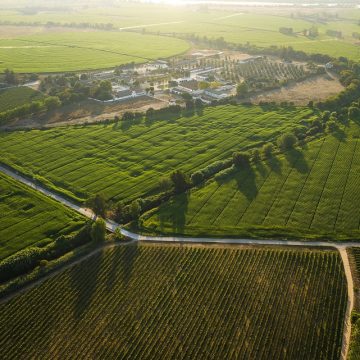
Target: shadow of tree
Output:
[(274, 164), (114, 255), (129, 254), (340, 135), (246, 183), (84, 281), (296, 159), (175, 213)]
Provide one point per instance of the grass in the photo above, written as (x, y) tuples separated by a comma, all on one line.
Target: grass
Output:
[(28, 218), (18, 96), (308, 192), (183, 302), (125, 161), (71, 51)]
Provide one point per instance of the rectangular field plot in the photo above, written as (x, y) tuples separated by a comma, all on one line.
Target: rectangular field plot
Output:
[(125, 162), (183, 302), (27, 217), (313, 191)]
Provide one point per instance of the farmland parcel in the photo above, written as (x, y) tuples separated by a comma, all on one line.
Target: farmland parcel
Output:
[(154, 302)]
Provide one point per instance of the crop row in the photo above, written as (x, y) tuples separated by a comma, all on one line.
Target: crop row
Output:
[(182, 302), (28, 218), (313, 190)]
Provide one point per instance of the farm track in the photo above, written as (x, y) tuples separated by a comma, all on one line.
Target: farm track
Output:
[(112, 226)]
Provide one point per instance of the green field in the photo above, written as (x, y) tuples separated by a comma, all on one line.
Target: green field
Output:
[(70, 51), (183, 302), (238, 26), (248, 26), (28, 218), (126, 162), (310, 191), (17, 96)]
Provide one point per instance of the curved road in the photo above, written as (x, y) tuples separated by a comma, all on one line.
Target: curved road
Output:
[(112, 226)]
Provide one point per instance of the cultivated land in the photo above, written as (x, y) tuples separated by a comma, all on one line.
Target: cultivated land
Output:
[(125, 161), (17, 96), (254, 25), (70, 51), (28, 218), (154, 302), (308, 192)]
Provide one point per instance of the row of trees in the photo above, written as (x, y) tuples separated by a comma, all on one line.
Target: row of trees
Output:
[(48, 104)]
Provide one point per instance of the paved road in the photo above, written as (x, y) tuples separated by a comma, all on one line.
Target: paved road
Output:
[(112, 226)]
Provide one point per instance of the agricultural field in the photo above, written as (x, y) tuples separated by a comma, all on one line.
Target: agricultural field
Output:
[(71, 51), (28, 218), (183, 302), (308, 192), (125, 161), (249, 25), (17, 96)]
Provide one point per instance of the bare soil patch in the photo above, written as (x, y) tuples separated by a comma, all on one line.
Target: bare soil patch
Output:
[(316, 89)]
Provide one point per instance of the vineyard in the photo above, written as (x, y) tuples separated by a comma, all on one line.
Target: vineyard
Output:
[(183, 302), (308, 192), (270, 70), (17, 96), (125, 161), (28, 218)]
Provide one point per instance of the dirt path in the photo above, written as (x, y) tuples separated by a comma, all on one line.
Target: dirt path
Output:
[(112, 226), (350, 304)]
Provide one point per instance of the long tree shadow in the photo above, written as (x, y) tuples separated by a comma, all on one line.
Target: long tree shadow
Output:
[(246, 183), (274, 164), (84, 280), (128, 258), (296, 160), (112, 275), (175, 213), (340, 134)]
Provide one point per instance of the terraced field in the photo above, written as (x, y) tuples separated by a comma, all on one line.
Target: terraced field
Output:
[(126, 162), (70, 51), (14, 97), (308, 192), (27, 218), (183, 302)]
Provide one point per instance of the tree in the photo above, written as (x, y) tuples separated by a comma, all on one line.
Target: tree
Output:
[(98, 230), (97, 204), (241, 159), (267, 150), (255, 155), (165, 184), (354, 113), (286, 141), (119, 211), (135, 209), (242, 89), (10, 77), (180, 181), (52, 102)]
